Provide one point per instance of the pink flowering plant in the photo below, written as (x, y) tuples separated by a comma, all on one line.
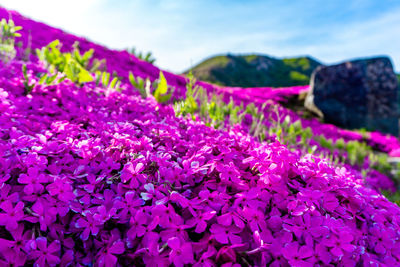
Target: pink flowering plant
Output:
[(90, 176)]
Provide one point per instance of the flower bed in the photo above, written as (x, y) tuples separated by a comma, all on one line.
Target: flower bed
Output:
[(92, 176)]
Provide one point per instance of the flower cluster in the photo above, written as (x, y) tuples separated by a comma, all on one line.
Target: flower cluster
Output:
[(37, 35), (90, 176), (114, 179)]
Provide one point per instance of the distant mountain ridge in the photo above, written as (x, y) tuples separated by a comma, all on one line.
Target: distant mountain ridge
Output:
[(255, 70)]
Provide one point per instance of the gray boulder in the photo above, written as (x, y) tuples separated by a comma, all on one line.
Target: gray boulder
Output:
[(357, 94)]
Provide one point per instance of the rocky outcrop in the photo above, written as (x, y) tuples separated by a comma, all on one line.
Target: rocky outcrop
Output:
[(357, 94)]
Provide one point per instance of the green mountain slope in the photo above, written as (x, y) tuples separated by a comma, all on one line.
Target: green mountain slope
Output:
[(255, 70)]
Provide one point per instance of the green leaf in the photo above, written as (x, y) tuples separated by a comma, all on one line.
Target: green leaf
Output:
[(105, 78), (24, 72), (51, 79), (61, 79), (96, 65), (118, 86), (161, 90), (54, 44), (132, 79), (84, 76), (98, 77), (43, 78), (162, 87), (86, 57), (113, 82)]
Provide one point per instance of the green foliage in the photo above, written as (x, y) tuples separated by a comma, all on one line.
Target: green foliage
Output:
[(393, 197), (255, 70), (189, 104), (326, 143), (103, 78), (292, 134), (380, 162), (143, 56), (75, 66), (357, 152), (49, 79), (214, 112), (298, 77), (396, 173), (340, 144), (161, 92), (143, 85), (8, 33), (28, 88), (213, 62), (300, 63), (295, 136)]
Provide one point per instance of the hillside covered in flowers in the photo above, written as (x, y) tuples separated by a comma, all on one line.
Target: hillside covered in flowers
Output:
[(107, 161)]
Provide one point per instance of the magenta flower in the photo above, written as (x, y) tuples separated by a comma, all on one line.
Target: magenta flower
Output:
[(33, 181), (201, 221), (102, 214), (181, 253), (226, 235), (92, 183), (150, 192), (55, 206), (45, 218), (131, 173), (154, 194), (340, 244), (12, 214), (142, 227), (330, 202), (178, 231), (214, 199), (90, 225), (275, 223), (13, 250), (231, 217), (107, 255), (138, 224), (43, 254), (6, 196), (107, 199), (255, 219), (306, 225), (226, 254), (297, 255), (321, 255), (297, 207), (229, 173), (62, 189), (167, 215), (128, 205), (206, 259), (382, 240)]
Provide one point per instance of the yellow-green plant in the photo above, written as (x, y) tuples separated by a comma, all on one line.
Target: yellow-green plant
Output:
[(8, 32), (75, 66)]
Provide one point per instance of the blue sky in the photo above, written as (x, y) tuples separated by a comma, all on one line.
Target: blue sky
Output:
[(181, 33)]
